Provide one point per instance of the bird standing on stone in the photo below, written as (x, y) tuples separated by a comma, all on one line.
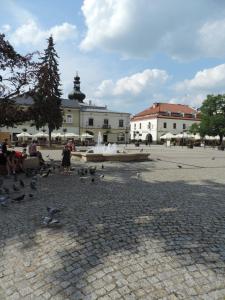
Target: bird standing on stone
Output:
[(19, 198), (179, 166), (33, 185), (22, 183), (4, 201), (15, 188), (102, 166), (46, 174)]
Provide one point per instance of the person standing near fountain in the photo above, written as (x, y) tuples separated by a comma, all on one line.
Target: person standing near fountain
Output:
[(66, 159)]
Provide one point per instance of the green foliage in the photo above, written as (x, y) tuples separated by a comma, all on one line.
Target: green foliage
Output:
[(213, 116), (17, 74), (47, 103)]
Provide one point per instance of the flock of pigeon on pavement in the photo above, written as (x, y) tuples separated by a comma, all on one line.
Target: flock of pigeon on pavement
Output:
[(16, 193)]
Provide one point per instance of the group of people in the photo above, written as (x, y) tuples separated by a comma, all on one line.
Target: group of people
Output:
[(12, 160)]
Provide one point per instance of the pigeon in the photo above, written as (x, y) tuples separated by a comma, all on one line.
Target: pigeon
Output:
[(138, 175), (92, 180), (102, 176), (19, 198), (158, 159), (33, 185), (52, 211), (142, 150), (31, 195), (4, 201), (22, 183), (213, 158), (102, 166), (49, 221), (179, 166), (46, 174), (15, 188), (92, 170), (47, 155)]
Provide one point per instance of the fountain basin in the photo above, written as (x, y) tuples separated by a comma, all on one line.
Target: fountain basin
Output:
[(99, 157)]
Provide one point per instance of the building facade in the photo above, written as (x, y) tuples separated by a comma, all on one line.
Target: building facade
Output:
[(114, 126), (80, 117), (160, 118)]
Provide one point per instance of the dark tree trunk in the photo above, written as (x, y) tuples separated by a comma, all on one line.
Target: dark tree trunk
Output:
[(221, 139)]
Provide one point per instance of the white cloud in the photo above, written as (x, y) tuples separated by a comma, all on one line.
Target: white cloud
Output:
[(5, 28), (138, 28), (212, 38), (31, 33), (194, 91), (134, 84), (207, 80)]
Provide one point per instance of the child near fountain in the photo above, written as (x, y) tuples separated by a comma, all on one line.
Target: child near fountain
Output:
[(66, 159)]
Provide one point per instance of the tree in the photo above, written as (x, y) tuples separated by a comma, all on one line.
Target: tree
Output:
[(213, 116), (17, 76), (46, 109)]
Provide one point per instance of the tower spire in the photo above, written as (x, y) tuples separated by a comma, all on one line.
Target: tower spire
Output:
[(77, 94)]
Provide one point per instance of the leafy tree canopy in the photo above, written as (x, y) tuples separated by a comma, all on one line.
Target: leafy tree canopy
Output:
[(17, 75), (213, 116)]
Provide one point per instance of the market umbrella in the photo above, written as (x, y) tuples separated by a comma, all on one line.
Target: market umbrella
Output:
[(71, 135), (197, 136), (57, 134), (41, 135), (167, 136), (24, 134), (86, 136)]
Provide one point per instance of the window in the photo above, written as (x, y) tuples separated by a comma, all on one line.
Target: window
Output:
[(149, 125), (120, 123), (69, 119), (106, 122), (184, 126), (120, 137), (134, 126), (90, 121), (139, 125), (164, 125), (174, 125)]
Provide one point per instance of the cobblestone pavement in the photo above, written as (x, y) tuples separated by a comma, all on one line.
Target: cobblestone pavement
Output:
[(158, 234)]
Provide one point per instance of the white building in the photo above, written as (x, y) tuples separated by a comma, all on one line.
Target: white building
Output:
[(114, 126), (161, 118)]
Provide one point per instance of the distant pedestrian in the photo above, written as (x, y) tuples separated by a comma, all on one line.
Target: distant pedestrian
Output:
[(66, 159)]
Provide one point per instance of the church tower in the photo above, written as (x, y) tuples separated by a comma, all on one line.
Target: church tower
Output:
[(76, 93)]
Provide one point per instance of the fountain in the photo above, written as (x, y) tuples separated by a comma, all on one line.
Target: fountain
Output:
[(101, 152), (101, 148)]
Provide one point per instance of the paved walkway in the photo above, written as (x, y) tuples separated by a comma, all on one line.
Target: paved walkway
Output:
[(150, 230)]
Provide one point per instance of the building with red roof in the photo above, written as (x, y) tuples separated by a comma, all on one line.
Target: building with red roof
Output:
[(161, 118)]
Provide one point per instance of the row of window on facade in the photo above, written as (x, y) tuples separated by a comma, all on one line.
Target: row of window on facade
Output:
[(150, 126), (69, 119), (105, 122)]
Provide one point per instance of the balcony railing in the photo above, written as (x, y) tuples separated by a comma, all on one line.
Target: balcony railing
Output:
[(106, 126)]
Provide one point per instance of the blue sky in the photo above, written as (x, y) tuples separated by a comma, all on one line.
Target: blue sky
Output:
[(129, 53)]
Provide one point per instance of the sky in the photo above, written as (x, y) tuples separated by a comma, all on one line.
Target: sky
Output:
[(128, 53)]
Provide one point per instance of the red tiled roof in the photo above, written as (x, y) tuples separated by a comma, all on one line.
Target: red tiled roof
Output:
[(156, 108)]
